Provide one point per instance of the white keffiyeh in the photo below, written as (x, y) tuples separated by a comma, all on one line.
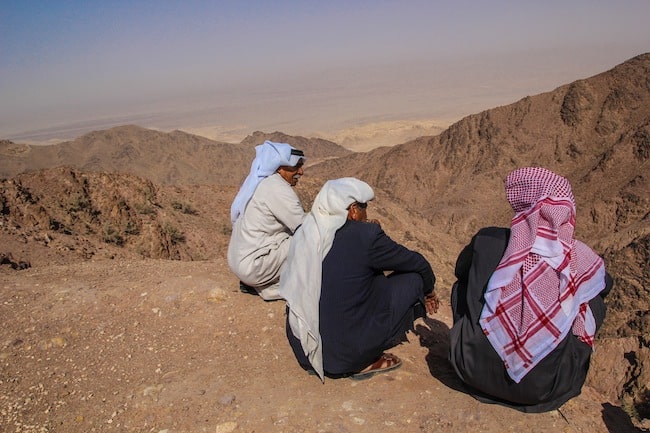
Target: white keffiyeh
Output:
[(269, 156)]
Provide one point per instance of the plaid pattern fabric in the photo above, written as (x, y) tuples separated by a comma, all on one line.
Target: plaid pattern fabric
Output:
[(541, 288)]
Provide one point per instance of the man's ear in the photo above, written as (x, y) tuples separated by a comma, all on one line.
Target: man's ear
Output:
[(351, 211)]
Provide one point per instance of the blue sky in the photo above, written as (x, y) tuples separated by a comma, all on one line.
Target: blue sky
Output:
[(296, 64)]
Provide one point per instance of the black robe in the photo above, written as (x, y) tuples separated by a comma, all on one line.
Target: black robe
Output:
[(363, 312), (556, 379)]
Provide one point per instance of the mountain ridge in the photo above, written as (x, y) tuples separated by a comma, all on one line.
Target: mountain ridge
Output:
[(165, 158)]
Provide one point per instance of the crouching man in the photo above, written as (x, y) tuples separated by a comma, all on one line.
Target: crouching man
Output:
[(265, 214)]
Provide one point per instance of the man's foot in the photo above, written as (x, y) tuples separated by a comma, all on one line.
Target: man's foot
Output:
[(386, 362), (245, 288)]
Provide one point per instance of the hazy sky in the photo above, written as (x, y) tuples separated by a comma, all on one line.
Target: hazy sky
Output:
[(295, 65)]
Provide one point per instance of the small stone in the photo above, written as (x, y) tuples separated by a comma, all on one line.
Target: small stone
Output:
[(227, 399), (152, 390), (58, 341), (217, 295), (226, 427)]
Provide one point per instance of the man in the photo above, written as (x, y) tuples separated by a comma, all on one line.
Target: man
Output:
[(528, 300), (343, 311), (265, 214)]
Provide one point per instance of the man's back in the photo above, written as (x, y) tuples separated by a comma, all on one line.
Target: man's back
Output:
[(271, 216), (357, 300)]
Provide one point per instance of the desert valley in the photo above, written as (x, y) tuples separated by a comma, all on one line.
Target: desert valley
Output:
[(119, 312)]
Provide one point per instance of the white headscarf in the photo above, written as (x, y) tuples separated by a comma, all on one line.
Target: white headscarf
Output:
[(269, 156), (300, 281)]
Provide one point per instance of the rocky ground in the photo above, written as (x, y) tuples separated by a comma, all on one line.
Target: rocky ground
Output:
[(168, 347)]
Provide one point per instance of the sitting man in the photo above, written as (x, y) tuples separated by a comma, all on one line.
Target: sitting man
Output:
[(265, 214), (343, 312), (528, 300)]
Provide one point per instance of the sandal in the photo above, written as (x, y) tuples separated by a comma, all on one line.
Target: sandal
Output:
[(386, 362)]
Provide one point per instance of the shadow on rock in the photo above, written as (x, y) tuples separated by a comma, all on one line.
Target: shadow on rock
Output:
[(435, 337), (617, 421)]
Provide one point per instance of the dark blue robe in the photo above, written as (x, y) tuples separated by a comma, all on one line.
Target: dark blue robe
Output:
[(372, 291)]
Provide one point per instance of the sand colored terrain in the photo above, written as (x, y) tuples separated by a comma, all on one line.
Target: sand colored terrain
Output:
[(359, 138), (168, 346)]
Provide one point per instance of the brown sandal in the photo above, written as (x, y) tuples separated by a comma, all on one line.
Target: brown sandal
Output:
[(386, 362)]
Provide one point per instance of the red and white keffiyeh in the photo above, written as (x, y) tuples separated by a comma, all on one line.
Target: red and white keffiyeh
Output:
[(541, 288)]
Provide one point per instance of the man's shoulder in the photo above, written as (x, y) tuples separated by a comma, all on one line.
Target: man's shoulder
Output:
[(362, 227), (273, 182), (270, 180), (489, 238), (498, 232)]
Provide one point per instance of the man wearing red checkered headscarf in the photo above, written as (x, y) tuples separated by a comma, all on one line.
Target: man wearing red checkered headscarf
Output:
[(538, 300)]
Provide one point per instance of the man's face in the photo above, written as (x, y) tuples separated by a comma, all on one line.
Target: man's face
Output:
[(291, 174)]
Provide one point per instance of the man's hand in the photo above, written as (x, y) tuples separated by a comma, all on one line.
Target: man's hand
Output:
[(431, 303)]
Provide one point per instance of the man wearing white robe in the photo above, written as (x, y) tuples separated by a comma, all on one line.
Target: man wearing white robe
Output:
[(265, 214)]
